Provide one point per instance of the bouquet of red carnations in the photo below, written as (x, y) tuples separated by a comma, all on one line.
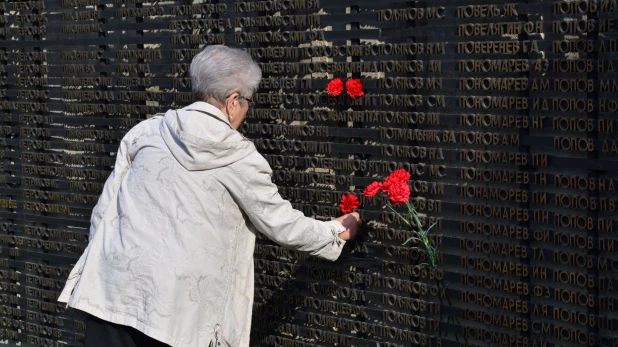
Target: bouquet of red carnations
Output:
[(398, 191), (396, 187)]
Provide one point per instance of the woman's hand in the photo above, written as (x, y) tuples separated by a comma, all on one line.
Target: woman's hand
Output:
[(350, 222)]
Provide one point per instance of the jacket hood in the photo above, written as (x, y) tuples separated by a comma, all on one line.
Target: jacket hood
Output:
[(201, 138)]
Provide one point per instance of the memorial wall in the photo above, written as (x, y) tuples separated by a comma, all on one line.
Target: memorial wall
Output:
[(503, 112)]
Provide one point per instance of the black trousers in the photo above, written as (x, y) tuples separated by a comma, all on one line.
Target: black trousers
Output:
[(100, 333)]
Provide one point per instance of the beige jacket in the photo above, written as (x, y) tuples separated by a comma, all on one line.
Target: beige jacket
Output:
[(172, 236)]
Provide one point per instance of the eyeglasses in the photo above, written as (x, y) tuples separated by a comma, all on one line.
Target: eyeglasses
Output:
[(251, 103)]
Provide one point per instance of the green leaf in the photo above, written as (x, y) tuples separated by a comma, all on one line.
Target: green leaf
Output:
[(411, 239), (433, 225)]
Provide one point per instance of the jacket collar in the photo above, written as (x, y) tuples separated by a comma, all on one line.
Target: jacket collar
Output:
[(208, 108)]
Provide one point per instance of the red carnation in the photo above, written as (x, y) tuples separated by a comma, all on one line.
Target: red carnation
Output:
[(400, 175), (354, 88), (399, 192), (348, 203), (335, 87), (372, 189)]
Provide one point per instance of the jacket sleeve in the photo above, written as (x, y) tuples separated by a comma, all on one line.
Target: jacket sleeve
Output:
[(124, 157), (249, 183)]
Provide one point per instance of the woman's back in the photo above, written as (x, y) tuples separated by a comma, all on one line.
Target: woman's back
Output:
[(172, 235), (173, 247)]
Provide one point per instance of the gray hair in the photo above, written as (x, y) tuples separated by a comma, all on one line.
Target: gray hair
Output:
[(218, 71)]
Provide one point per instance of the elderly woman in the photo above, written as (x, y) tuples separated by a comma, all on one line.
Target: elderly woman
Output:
[(170, 256)]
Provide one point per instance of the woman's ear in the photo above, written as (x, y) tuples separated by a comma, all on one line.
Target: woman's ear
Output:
[(231, 104)]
